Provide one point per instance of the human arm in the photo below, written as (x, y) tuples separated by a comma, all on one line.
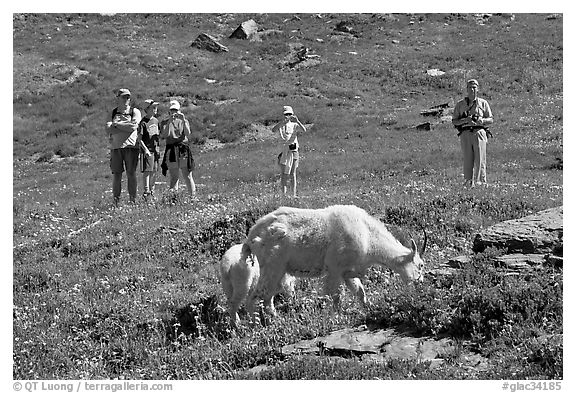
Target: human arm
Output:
[(144, 149), (461, 116), (297, 121), (120, 125)]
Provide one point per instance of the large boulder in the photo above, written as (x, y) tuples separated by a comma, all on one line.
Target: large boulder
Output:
[(206, 41), (246, 30), (540, 233)]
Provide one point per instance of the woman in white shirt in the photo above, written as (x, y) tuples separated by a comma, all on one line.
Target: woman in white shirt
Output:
[(288, 158)]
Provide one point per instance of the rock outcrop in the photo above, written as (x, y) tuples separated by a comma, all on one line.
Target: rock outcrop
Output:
[(540, 233), (206, 41)]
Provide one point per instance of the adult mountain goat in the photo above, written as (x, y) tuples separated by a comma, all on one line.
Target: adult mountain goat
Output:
[(340, 242)]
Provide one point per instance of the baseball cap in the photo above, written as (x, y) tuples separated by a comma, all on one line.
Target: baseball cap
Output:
[(123, 92), (149, 102), (175, 105), (472, 82), (288, 110)]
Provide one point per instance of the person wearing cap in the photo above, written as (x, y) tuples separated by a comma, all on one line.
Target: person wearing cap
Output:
[(288, 158), (177, 156), (472, 116), (124, 145), (150, 147)]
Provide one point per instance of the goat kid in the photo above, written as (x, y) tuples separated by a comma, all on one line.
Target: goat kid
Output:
[(239, 273), (339, 242)]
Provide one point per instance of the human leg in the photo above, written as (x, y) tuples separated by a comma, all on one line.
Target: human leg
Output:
[(283, 179), (174, 171), (467, 156), (116, 186), (117, 167), (478, 143), (146, 182), (482, 141), (131, 161), (188, 179)]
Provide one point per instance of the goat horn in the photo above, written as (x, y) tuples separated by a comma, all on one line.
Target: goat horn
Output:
[(425, 241)]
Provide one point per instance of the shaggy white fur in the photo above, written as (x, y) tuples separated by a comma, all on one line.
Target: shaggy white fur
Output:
[(340, 242), (239, 273)]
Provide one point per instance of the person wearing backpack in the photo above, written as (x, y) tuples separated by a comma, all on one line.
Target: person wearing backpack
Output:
[(150, 147), (124, 145), (177, 156), (472, 117)]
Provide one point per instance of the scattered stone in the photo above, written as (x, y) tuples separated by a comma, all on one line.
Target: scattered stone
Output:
[(459, 261), (207, 42), (302, 58), (395, 42), (427, 126), (520, 262), (246, 30), (553, 16), (344, 27), (437, 110), (540, 233), (555, 260), (435, 72)]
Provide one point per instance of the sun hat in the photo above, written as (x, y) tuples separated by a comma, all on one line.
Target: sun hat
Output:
[(123, 92), (288, 110), (471, 82), (175, 105)]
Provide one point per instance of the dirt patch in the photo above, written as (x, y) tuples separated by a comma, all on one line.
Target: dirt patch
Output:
[(33, 74)]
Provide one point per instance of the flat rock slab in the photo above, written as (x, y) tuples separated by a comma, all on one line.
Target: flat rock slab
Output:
[(378, 345), (540, 233)]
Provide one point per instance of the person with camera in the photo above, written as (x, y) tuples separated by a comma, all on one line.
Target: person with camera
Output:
[(289, 156), (124, 135), (177, 157), (472, 116)]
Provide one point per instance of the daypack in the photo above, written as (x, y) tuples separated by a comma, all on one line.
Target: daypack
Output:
[(131, 113)]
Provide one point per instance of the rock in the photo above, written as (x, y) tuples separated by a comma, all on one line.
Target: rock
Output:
[(427, 126), (246, 30), (302, 58), (435, 72), (521, 261), (206, 41), (459, 261), (540, 233), (344, 27), (376, 345)]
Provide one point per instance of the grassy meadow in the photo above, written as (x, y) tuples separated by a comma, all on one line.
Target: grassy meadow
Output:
[(133, 292)]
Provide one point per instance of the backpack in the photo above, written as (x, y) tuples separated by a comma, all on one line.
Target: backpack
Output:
[(131, 113), (115, 111)]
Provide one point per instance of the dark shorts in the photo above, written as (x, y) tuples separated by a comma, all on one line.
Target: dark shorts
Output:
[(121, 159), (149, 163)]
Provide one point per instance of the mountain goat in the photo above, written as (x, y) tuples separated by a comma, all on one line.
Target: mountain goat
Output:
[(239, 272), (340, 242)]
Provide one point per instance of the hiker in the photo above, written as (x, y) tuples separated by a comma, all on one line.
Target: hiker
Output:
[(288, 159), (177, 156), (472, 116), (150, 147), (124, 145)]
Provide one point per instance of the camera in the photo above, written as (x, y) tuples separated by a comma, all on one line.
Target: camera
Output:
[(475, 117)]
